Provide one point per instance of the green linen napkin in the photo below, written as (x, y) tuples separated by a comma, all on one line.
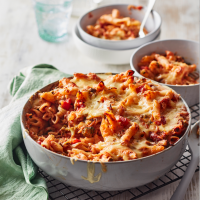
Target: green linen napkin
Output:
[(18, 174)]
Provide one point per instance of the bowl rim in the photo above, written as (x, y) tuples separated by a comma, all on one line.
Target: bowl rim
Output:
[(116, 41), (74, 33), (25, 131), (158, 41)]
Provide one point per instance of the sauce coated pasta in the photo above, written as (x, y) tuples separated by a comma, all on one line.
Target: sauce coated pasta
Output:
[(169, 69), (106, 117), (115, 27)]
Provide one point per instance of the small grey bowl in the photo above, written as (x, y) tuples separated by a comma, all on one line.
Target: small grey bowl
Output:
[(153, 25), (188, 49)]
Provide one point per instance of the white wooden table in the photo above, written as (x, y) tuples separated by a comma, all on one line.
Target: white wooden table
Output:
[(21, 46)]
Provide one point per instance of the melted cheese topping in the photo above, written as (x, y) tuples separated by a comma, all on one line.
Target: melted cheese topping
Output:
[(107, 118)]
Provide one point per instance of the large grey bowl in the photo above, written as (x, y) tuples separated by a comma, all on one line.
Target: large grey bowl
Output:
[(111, 176), (153, 25), (185, 48)]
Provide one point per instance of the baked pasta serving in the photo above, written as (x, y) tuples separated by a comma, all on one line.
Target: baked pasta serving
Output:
[(115, 27), (169, 69), (106, 117)]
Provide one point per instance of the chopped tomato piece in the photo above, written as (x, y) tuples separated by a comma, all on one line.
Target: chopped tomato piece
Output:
[(165, 103), (39, 142), (66, 104), (139, 7), (162, 121), (123, 120), (140, 89), (154, 137), (80, 105), (76, 141)]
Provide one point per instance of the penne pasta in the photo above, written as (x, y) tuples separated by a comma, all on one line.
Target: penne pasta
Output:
[(169, 69), (115, 27)]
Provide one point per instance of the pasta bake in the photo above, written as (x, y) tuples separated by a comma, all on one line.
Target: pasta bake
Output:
[(115, 27), (169, 69), (106, 117)]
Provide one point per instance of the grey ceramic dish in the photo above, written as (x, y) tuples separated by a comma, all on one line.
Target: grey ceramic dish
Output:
[(153, 25), (109, 176), (185, 48)]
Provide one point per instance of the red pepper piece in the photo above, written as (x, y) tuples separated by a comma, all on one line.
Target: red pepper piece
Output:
[(66, 104)]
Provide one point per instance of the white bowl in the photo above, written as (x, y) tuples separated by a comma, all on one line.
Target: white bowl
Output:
[(189, 50), (106, 56), (152, 25)]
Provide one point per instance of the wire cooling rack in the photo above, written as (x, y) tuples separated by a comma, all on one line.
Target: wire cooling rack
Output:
[(61, 191)]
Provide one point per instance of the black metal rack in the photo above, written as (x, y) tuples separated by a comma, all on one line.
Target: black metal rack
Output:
[(61, 191)]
